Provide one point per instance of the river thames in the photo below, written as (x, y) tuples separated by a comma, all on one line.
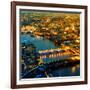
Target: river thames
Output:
[(45, 44)]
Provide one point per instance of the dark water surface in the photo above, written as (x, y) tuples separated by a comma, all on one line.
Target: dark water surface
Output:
[(40, 43), (67, 71), (60, 72)]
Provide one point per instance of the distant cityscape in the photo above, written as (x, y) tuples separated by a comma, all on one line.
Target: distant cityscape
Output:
[(49, 38)]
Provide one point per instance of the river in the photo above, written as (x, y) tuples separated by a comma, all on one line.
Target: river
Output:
[(44, 44), (40, 43)]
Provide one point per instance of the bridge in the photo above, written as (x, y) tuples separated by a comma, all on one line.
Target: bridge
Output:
[(58, 54)]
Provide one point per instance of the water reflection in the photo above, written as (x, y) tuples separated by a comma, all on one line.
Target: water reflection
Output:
[(66, 71), (74, 68)]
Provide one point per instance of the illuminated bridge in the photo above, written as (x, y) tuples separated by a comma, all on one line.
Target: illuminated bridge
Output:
[(57, 54)]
